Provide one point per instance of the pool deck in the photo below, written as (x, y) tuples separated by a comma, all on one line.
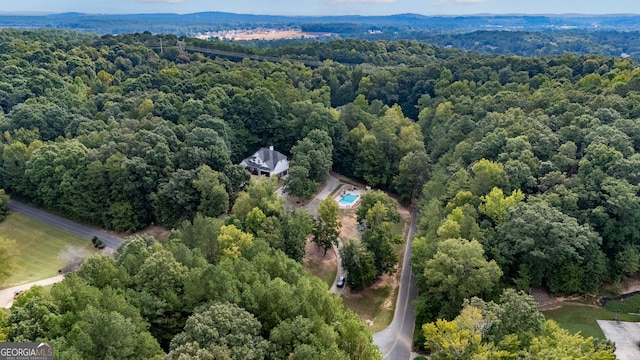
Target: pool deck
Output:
[(348, 189)]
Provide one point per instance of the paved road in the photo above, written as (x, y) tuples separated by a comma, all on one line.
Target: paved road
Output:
[(64, 224), (6, 295), (396, 340), (331, 184)]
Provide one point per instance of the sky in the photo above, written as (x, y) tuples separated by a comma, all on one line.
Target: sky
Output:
[(327, 7)]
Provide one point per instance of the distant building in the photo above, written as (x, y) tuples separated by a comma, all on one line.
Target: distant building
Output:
[(267, 161)]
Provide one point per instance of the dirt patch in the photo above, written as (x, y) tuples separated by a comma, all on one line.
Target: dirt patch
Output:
[(346, 180), (158, 232), (316, 254), (349, 229), (393, 282), (547, 302), (319, 264), (629, 285)]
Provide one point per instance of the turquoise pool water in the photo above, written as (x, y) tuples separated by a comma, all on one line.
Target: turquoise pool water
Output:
[(348, 199)]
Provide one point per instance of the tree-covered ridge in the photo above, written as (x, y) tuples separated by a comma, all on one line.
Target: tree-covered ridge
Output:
[(538, 172), (530, 164), (109, 132), (261, 305)]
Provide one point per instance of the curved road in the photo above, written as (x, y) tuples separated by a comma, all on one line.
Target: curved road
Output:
[(83, 231), (395, 341)]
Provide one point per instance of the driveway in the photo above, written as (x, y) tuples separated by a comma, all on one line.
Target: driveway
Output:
[(626, 336), (6, 295), (334, 287), (396, 340), (331, 184)]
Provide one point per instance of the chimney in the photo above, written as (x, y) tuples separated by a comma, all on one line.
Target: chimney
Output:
[(271, 147)]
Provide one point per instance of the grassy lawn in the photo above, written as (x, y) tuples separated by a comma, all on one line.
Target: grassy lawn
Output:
[(583, 319), (368, 305), (628, 305), (323, 271), (39, 248)]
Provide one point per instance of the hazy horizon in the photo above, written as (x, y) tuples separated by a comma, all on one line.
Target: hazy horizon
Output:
[(328, 7)]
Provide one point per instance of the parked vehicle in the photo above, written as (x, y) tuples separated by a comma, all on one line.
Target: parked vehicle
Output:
[(341, 281)]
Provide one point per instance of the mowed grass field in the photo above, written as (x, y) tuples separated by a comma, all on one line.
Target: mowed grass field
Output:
[(39, 248), (583, 319)]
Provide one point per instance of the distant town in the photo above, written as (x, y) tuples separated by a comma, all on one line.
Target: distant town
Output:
[(262, 34)]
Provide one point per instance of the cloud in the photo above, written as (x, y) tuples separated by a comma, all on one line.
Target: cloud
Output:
[(462, 2)]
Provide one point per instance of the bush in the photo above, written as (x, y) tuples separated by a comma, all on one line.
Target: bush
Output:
[(97, 243)]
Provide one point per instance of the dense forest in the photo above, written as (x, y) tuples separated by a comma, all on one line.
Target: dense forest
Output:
[(524, 171)]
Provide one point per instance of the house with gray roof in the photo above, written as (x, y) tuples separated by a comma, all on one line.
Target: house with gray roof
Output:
[(267, 161)]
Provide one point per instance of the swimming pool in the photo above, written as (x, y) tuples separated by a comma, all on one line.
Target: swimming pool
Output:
[(348, 199)]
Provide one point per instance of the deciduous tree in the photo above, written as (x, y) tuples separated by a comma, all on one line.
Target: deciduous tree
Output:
[(327, 226)]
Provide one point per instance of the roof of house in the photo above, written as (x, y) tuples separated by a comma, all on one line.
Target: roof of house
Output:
[(264, 159)]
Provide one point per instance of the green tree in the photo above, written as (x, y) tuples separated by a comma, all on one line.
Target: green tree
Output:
[(371, 164), (14, 164), (457, 271), (221, 327), (233, 241), (4, 205), (34, 316), (176, 198), (356, 338), (214, 200), (458, 339), (486, 176), (557, 343), (315, 153), (261, 194), (298, 183), (379, 239), (540, 246), (370, 198), (327, 226), (297, 225), (359, 264), (516, 313), (109, 335), (201, 233), (495, 205), (413, 172), (4, 326)]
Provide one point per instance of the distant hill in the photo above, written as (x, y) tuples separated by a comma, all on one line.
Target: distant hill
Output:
[(615, 35), (350, 26)]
